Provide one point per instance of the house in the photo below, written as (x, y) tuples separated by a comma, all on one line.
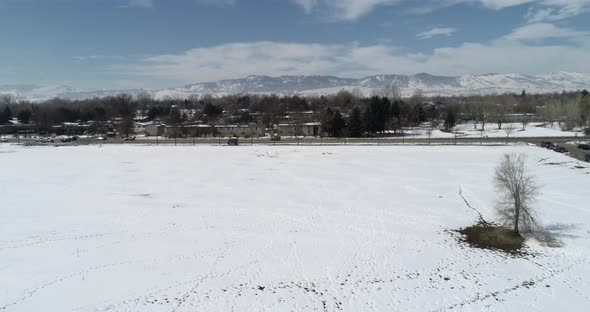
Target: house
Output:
[(71, 128), (295, 129), (249, 130), (139, 127), (154, 129), (188, 130), (10, 128)]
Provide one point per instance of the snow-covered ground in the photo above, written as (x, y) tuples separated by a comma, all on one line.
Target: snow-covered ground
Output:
[(534, 129), (263, 228)]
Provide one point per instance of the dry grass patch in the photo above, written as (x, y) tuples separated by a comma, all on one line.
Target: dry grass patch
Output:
[(490, 236)]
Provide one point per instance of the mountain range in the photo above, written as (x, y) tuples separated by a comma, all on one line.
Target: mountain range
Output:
[(430, 85)]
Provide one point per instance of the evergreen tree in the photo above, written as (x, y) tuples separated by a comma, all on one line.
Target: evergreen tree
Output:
[(450, 119), (378, 114), (174, 120), (396, 114), (5, 115), (327, 119), (212, 110), (355, 124), (24, 116), (395, 110), (418, 115), (338, 124)]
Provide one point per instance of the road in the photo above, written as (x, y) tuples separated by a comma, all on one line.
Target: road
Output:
[(563, 141)]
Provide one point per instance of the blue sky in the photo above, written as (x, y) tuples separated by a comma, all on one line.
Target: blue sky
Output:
[(162, 43)]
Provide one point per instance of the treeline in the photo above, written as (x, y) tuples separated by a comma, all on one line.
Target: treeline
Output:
[(342, 114)]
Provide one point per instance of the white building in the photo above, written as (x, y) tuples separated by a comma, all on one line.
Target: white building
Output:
[(303, 129), (249, 130), (154, 129)]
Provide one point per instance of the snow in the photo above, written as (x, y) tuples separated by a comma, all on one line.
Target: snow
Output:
[(252, 228), (428, 84), (466, 130)]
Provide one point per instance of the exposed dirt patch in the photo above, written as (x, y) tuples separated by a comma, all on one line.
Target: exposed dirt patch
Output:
[(490, 236)]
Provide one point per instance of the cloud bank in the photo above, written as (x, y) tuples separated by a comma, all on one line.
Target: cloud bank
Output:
[(509, 54)]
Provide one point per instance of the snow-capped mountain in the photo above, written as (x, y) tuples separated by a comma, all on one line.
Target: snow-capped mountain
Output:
[(325, 85), (407, 85), (30, 91)]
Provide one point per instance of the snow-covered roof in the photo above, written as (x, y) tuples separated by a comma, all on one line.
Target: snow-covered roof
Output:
[(14, 122)]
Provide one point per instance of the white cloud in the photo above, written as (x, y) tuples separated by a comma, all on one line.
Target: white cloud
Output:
[(140, 4), (222, 3), (344, 9), (541, 10), (429, 6), (556, 10), (541, 31), (499, 4), (437, 31), (307, 5), (354, 60), (150, 3), (97, 57)]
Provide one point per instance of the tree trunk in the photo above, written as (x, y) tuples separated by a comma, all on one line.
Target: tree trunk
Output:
[(516, 216)]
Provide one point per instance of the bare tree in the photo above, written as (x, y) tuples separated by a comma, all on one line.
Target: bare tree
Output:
[(417, 98), (344, 99), (7, 99), (500, 114), (517, 190), (469, 113), (571, 111), (174, 120), (524, 121), (508, 129), (584, 107), (144, 99), (550, 112), (429, 134), (390, 91), (482, 111), (126, 108), (434, 124), (297, 125)]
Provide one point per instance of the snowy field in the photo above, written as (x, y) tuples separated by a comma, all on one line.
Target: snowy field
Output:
[(534, 129), (262, 228)]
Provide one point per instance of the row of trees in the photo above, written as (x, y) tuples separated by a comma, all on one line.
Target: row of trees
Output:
[(342, 114), (377, 115)]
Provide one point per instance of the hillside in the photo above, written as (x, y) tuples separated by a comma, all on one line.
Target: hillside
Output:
[(324, 85)]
